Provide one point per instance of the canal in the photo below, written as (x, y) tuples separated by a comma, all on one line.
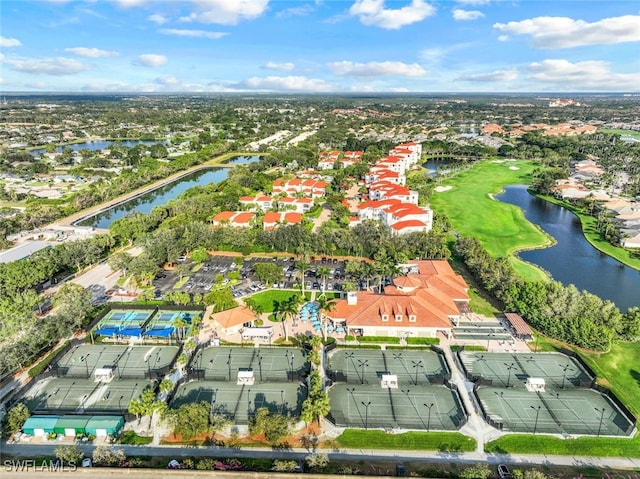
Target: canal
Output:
[(160, 196), (573, 260)]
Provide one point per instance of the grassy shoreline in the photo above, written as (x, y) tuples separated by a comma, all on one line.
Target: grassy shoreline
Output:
[(592, 235)]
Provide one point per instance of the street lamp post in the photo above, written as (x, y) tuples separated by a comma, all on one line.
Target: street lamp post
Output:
[(346, 372), (417, 365), (537, 410), (366, 413), (428, 406), (510, 367), (601, 411), (86, 364), (362, 365), (565, 368)]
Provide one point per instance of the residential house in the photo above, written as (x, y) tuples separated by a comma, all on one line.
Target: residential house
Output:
[(273, 219), (236, 219), (299, 205), (258, 202)]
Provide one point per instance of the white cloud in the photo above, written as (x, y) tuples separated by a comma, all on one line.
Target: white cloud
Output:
[(226, 12), (282, 67), (496, 76), (193, 33), (6, 42), (130, 3), (372, 12), (151, 60), (373, 69), (466, 15), (158, 19), (564, 32), (473, 2), (503, 38), (590, 75), (47, 66), (169, 80), (91, 52), (288, 83), (301, 11)]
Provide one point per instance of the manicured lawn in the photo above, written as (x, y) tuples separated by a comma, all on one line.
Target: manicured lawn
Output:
[(427, 441), (619, 370), (502, 228), (634, 134), (130, 437), (266, 298), (582, 446)]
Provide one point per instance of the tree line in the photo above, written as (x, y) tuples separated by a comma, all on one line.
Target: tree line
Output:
[(560, 312)]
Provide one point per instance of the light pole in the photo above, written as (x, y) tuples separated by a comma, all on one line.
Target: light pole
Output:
[(428, 406), (291, 363), (537, 410), (489, 336), (417, 365), (86, 364), (601, 411), (366, 413), (346, 372), (362, 365), (510, 367), (565, 368)]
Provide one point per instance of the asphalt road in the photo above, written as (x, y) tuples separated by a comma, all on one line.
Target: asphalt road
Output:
[(176, 452)]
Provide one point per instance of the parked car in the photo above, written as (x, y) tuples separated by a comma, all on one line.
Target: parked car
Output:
[(401, 471), (504, 472)]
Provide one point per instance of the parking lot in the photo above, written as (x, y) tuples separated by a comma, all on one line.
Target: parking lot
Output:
[(241, 277)]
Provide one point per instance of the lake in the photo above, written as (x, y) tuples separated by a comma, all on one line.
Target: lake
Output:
[(97, 145), (161, 196), (572, 260)]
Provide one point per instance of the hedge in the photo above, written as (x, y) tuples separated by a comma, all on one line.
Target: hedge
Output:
[(378, 339), (423, 340), (42, 365)]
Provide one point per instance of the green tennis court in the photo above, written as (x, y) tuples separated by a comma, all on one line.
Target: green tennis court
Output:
[(367, 366), (268, 364), (239, 402), (569, 411), (125, 361), (512, 369), (432, 407), (75, 396)]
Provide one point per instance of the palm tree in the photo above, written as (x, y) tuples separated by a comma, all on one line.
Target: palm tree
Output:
[(323, 271), (179, 323), (289, 308), (302, 265), (324, 305)]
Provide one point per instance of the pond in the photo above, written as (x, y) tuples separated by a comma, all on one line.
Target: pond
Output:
[(573, 260), (160, 196), (97, 145)]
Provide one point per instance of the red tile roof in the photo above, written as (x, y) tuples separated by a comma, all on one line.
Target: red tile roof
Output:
[(233, 317), (400, 225), (432, 302)]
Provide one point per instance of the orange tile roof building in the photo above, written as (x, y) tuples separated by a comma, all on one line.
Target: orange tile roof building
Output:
[(418, 305), (236, 219)]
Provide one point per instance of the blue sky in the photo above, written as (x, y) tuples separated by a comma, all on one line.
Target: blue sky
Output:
[(319, 46)]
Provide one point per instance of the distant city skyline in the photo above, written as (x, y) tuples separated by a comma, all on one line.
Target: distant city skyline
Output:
[(319, 46)]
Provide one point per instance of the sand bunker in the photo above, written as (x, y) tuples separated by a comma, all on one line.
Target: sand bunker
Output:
[(440, 189), (514, 168)]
